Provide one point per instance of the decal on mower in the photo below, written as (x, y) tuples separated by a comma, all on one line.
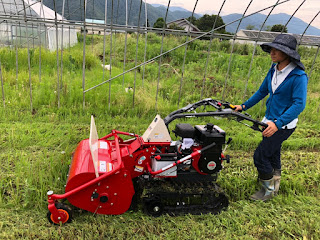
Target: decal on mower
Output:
[(211, 165), (104, 166), (138, 168), (103, 145), (158, 135), (140, 161)]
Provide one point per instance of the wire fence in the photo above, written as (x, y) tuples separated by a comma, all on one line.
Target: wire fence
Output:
[(32, 24)]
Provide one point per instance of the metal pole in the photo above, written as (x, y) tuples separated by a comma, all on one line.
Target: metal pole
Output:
[(69, 26), (57, 52), (20, 35), (29, 64), (104, 39), (115, 33), (161, 50), (125, 44), (81, 19), (313, 63), (185, 55), (110, 76), (118, 1), (40, 51), (84, 55), (16, 45), (209, 50), (146, 39), (230, 59), (33, 35), (7, 24), (129, 11), (136, 59), (61, 67), (45, 28), (3, 99), (92, 27)]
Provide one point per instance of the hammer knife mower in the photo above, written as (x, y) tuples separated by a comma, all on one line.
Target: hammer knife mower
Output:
[(109, 175)]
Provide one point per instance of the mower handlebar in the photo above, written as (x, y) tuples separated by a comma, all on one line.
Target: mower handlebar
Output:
[(223, 109)]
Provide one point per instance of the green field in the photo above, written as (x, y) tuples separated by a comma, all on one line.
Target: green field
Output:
[(36, 144)]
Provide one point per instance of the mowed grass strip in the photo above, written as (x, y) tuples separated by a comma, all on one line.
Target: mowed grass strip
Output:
[(35, 157)]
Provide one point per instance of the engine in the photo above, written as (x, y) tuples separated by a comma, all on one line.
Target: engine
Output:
[(191, 138)]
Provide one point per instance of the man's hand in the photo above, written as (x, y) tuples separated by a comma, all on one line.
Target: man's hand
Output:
[(270, 130), (238, 108)]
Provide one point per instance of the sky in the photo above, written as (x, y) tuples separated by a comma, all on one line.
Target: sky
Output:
[(306, 12)]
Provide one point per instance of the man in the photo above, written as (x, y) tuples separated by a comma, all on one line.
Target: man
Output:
[(286, 84)]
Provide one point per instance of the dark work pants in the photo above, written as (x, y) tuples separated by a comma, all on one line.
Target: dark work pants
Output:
[(267, 155)]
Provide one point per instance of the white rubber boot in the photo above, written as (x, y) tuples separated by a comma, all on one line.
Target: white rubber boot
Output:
[(277, 178), (266, 192)]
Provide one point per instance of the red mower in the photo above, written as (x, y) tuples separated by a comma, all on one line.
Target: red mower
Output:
[(109, 175)]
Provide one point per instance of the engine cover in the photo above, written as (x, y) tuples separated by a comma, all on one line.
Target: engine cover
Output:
[(210, 160)]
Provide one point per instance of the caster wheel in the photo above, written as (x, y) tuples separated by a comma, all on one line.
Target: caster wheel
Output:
[(65, 211)]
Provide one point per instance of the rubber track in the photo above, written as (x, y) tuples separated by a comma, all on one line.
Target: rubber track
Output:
[(184, 197)]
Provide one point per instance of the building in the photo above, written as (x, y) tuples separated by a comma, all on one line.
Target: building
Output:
[(251, 37), (185, 24)]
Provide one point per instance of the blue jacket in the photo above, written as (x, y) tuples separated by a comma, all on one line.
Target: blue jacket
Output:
[(288, 100)]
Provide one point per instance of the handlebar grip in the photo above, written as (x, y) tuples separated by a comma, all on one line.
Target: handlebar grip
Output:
[(232, 106)]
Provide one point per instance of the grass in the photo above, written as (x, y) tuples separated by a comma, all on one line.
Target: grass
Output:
[(36, 147)]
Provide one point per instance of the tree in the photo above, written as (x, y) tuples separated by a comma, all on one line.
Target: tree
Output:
[(279, 28), (205, 23), (267, 28), (250, 27), (159, 23), (192, 19)]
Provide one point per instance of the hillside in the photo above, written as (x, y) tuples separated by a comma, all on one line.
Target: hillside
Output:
[(296, 25), (96, 10)]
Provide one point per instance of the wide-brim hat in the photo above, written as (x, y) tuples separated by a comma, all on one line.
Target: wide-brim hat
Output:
[(285, 43)]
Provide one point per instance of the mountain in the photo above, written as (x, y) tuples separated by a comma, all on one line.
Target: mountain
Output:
[(73, 10), (96, 10), (295, 25), (171, 8), (174, 13)]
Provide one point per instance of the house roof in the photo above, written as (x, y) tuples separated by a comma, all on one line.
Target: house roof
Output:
[(183, 21), (269, 36)]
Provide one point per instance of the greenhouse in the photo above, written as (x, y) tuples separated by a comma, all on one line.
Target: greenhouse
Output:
[(30, 23)]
